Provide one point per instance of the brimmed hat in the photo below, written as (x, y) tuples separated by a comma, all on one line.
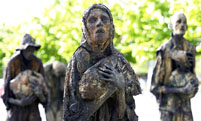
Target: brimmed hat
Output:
[(28, 41)]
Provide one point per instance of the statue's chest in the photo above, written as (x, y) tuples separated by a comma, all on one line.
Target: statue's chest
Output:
[(85, 63)]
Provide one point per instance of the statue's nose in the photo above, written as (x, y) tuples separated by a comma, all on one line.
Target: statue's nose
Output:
[(99, 23)]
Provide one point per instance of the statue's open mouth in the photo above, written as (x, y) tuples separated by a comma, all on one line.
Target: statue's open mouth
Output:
[(100, 31)]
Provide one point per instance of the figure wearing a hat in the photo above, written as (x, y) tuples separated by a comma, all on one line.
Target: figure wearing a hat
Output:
[(22, 79)]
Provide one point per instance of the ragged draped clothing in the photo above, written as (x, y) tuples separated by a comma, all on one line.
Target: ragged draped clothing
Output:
[(171, 71), (74, 104), (55, 74), (16, 65)]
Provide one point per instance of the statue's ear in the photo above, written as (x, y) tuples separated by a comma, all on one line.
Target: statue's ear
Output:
[(170, 26), (186, 27)]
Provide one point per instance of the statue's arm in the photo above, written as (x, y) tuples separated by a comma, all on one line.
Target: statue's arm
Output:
[(157, 75), (193, 90), (132, 82), (195, 82), (132, 87), (189, 89), (7, 91), (157, 82), (71, 105), (24, 101), (157, 86)]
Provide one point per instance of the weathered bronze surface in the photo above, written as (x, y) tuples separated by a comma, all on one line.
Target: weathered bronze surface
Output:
[(27, 74), (55, 74), (100, 83), (174, 81)]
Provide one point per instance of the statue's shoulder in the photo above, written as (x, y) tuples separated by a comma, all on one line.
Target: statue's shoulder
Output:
[(122, 59), (81, 54), (120, 56), (80, 60), (190, 46), (165, 46), (118, 53), (48, 67), (15, 58), (37, 59)]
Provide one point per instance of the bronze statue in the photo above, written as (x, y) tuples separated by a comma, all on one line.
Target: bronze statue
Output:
[(174, 81), (55, 73), (24, 83), (100, 83)]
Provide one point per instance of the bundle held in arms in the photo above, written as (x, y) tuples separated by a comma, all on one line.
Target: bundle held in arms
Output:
[(22, 84)]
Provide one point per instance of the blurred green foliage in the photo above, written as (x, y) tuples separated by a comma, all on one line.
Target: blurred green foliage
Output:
[(141, 26)]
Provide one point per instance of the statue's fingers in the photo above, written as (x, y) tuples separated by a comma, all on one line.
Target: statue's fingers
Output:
[(196, 89), (109, 66), (106, 79), (107, 71), (105, 74), (195, 84), (31, 97), (190, 58), (189, 64), (34, 82), (33, 85), (189, 54)]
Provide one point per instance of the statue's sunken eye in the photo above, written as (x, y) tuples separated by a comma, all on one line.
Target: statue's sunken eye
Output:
[(179, 21), (92, 19), (104, 19)]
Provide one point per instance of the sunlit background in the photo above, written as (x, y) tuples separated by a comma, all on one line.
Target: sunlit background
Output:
[(140, 25), (13, 12)]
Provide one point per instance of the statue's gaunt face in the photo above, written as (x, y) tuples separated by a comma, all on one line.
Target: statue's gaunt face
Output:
[(179, 24), (28, 53), (98, 25)]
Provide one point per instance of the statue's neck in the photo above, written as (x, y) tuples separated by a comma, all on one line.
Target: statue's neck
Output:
[(178, 40), (99, 48), (178, 37)]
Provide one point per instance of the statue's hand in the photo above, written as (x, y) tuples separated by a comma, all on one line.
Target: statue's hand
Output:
[(188, 88), (36, 87), (110, 74), (190, 58), (162, 89), (38, 90), (24, 101)]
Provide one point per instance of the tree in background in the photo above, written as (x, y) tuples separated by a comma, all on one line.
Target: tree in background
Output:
[(141, 26)]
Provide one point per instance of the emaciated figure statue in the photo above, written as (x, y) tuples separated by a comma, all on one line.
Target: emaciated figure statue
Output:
[(174, 81), (100, 83), (24, 83), (55, 74)]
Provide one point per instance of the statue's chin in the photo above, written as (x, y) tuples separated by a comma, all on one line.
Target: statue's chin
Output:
[(100, 39), (180, 32), (28, 58)]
